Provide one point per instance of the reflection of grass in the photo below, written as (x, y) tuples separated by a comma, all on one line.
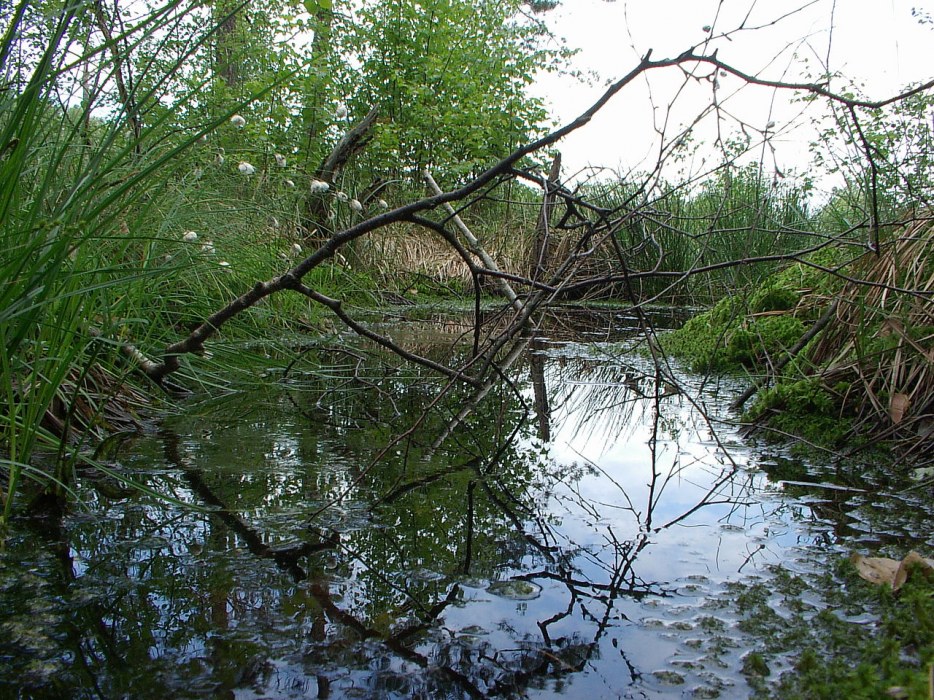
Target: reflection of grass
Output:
[(835, 653)]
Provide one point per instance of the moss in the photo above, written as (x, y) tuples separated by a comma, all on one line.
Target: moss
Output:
[(754, 664), (761, 338), (725, 339), (773, 296), (835, 657), (804, 408)]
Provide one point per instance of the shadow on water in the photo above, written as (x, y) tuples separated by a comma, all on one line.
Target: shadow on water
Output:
[(574, 535)]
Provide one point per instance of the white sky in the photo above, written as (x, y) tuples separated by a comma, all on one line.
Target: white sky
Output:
[(876, 44)]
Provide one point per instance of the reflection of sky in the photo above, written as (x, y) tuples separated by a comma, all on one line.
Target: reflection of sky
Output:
[(601, 422)]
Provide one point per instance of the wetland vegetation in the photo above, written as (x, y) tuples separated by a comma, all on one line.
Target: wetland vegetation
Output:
[(321, 378)]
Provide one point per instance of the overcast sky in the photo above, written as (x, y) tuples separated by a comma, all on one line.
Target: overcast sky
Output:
[(876, 44)]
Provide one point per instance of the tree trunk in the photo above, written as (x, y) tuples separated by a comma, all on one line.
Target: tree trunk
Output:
[(539, 258), (226, 17)]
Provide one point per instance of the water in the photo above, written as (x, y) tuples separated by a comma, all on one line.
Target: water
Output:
[(339, 548)]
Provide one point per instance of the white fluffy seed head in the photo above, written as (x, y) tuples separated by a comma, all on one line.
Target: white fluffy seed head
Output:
[(356, 206), (189, 236), (318, 186), (238, 121), (246, 168), (280, 160)]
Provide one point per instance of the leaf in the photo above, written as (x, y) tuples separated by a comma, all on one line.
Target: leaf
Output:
[(880, 570), (315, 6), (877, 570), (898, 407)]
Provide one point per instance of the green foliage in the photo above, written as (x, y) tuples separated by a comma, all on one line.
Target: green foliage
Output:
[(450, 78), (900, 141)]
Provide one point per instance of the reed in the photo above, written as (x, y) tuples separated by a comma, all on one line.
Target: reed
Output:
[(86, 212)]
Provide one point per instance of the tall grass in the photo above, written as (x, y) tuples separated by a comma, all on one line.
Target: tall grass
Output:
[(734, 217), (74, 174)]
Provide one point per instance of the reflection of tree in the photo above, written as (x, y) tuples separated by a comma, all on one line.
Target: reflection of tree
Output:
[(477, 517)]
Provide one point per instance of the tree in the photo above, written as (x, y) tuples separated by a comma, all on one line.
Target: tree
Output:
[(449, 77)]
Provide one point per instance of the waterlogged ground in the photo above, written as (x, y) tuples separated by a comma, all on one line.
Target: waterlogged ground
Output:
[(589, 531)]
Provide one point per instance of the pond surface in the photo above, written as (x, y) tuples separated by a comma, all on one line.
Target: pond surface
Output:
[(335, 532)]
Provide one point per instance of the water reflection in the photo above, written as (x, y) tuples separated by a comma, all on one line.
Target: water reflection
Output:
[(570, 534)]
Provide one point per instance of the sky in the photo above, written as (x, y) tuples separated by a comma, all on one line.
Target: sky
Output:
[(876, 44)]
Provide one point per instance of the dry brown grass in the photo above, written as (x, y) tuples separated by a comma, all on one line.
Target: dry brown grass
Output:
[(402, 252), (882, 340)]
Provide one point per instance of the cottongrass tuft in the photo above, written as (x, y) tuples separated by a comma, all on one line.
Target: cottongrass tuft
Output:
[(356, 206), (238, 121), (342, 196), (208, 248), (280, 160), (318, 186), (296, 249), (189, 236), (246, 168)]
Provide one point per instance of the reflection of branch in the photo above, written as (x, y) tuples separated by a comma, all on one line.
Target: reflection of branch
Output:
[(400, 491), (396, 642), (286, 558)]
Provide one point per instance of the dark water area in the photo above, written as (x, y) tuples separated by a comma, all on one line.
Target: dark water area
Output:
[(334, 532)]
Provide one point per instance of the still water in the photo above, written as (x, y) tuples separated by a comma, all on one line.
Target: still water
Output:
[(333, 531)]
